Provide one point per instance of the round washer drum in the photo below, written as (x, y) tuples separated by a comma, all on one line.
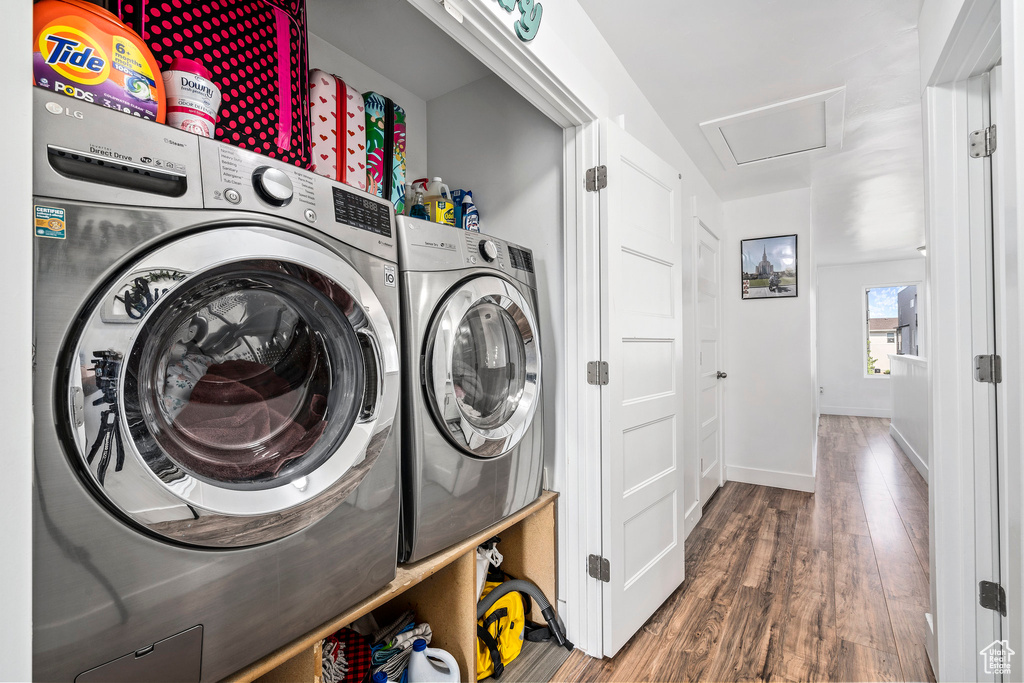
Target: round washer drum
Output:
[(222, 397), (482, 366)]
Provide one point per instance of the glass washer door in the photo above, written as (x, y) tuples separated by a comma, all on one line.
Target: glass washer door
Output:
[(483, 366), (225, 397)]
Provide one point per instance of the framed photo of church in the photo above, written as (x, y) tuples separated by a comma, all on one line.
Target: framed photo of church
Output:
[(769, 268)]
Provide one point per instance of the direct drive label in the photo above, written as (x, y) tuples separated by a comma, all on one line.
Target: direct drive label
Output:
[(50, 222)]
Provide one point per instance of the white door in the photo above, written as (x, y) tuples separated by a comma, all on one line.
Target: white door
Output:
[(642, 404), (709, 321), (983, 323)]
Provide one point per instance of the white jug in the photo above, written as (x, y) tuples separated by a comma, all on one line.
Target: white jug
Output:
[(437, 189), (422, 670)]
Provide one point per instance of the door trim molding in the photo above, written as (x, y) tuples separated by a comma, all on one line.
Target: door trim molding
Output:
[(973, 47)]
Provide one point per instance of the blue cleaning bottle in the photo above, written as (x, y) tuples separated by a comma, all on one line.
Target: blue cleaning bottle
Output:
[(470, 214), (419, 210)]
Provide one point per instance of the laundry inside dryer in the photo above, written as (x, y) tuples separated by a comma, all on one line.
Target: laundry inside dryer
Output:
[(243, 368)]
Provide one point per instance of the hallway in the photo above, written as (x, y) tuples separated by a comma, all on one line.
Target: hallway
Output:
[(789, 586)]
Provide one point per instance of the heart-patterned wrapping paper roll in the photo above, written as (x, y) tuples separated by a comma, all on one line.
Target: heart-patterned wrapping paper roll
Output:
[(339, 129)]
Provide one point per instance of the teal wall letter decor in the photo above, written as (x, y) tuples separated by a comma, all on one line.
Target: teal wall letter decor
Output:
[(529, 22)]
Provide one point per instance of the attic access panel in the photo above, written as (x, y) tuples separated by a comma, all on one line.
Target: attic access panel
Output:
[(779, 130)]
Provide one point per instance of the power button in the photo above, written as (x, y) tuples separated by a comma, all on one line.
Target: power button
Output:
[(232, 195)]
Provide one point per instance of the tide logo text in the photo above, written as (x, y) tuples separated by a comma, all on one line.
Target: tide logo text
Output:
[(74, 53)]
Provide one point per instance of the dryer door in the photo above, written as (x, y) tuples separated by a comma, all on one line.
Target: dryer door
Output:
[(234, 387), (482, 366)]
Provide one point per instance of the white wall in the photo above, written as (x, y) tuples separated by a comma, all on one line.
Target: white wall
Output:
[(841, 335), (909, 425), (16, 349), (770, 412), (486, 138), (323, 55)]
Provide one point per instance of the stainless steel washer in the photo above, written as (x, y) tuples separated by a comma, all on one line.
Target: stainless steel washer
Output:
[(472, 409), (216, 400)]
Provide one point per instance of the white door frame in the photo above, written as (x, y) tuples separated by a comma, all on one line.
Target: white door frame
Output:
[(16, 350), (985, 32), (487, 34)]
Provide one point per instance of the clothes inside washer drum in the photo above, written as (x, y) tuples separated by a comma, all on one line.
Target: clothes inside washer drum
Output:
[(238, 423)]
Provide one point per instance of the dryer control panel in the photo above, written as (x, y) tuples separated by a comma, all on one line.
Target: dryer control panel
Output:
[(426, 246)]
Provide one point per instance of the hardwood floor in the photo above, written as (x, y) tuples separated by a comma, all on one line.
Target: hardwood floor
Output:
[(788, 586)]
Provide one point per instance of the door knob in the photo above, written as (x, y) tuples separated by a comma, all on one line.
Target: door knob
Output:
[(722, 375)]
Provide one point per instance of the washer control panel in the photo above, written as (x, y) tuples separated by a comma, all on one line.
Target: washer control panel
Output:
[(361, 212), (95, 154), (235, 178)]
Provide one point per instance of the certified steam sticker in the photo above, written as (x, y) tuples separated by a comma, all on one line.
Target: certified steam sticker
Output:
[(50, 222), (390, 277)]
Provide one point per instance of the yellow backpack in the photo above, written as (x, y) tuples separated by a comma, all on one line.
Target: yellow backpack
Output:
[(500, 633)]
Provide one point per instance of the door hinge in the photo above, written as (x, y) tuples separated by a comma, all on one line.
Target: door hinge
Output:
[(597, 178), (597, 372), (599, 568), (983, 142), (988, 369), (991, 596)]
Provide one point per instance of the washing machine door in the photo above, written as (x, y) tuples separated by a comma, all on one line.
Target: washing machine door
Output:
[(232, 388), (482, 366)]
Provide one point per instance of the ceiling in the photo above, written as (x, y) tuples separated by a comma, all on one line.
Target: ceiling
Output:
[(699, 61), (396, 39)]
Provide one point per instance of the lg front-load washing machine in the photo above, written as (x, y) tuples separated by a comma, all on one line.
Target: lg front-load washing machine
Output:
[(216, 400), (472, 413)]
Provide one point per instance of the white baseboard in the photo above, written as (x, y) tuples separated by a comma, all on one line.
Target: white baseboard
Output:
[(691, 518), (914, 456), (780, 480), (856, 412)]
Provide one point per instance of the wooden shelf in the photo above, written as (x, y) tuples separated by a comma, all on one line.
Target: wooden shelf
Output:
[(442, 591)]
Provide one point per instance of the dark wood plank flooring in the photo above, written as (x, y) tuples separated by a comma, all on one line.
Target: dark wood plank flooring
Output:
[(788, 586)]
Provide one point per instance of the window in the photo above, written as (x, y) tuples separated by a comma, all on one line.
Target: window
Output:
[(890, 326)]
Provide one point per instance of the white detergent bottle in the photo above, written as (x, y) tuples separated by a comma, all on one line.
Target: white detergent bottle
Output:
[(436, 189), (422, 670)]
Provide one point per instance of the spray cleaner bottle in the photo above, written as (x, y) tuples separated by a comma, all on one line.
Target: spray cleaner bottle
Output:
[(470, 215), (418, 209)]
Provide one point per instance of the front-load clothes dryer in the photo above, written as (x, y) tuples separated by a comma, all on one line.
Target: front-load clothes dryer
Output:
[(472, 414), (216, 398)]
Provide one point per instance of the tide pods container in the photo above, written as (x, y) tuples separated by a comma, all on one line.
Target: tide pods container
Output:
[(85, 52)]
